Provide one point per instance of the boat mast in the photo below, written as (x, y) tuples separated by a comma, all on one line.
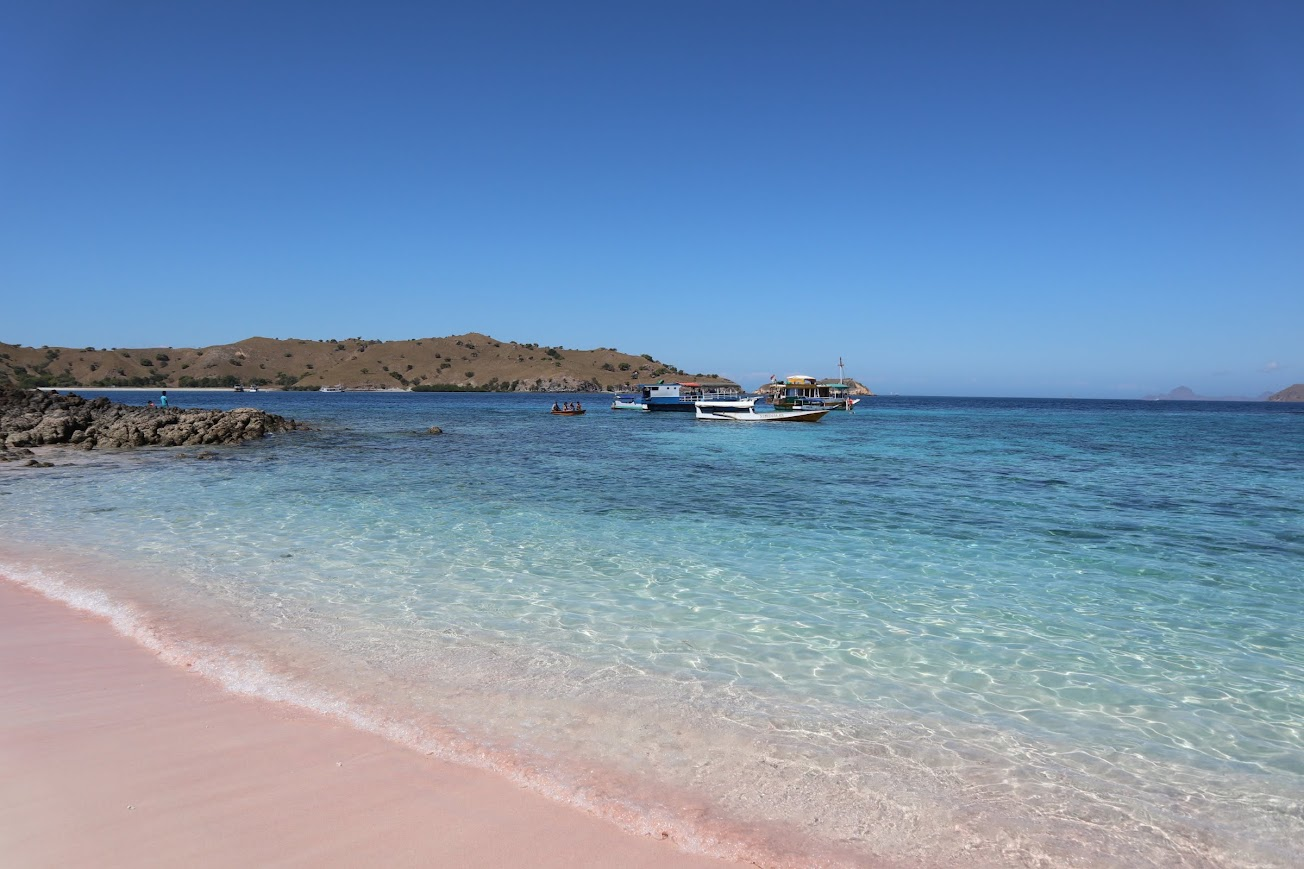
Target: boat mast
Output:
[(848, 404)]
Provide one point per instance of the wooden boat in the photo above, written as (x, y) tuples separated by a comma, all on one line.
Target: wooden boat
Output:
[(802, 392), (568, 412)]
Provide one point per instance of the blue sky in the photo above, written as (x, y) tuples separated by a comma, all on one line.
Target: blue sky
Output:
[(1000, 198)]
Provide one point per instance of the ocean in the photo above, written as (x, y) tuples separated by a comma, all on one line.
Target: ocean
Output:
[(988, 632)]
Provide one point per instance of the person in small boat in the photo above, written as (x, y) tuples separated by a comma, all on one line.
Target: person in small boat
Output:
[(555, 408), (578, 406)]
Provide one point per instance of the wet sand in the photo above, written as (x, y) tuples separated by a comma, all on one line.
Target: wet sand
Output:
[(114, 758)]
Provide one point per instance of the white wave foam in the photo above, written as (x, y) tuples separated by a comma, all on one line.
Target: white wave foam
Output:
[(242, 674)]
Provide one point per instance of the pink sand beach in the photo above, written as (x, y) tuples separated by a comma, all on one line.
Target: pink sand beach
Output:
[(113, 758)]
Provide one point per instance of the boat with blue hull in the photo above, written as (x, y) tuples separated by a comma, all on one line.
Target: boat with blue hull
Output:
[(682, 396)]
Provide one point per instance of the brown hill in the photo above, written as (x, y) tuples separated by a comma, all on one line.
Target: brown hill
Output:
[(471, 361), (1290, 393)]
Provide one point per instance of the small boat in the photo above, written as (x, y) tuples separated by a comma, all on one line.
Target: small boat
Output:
[(745, 411), (627, 402), (568, 412)]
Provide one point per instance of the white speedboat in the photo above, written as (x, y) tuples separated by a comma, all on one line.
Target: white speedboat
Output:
[(744, 410), (627, 402)]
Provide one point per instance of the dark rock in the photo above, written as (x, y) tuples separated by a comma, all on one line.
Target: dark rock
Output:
[(434, 429), (32, 418)]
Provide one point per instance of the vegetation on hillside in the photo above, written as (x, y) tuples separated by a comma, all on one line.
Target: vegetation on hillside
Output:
[(471, 362)]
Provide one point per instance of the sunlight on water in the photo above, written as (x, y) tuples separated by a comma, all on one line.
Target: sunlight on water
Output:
[(1002, 631)]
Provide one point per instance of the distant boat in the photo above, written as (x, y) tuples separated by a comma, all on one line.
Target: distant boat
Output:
[(331, 389), (239, 388), (568, 412), (744, 410)]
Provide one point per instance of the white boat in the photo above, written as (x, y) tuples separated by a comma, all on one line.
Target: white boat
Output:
[(744, 410), (331, 389), (627, 402), (661, 396)]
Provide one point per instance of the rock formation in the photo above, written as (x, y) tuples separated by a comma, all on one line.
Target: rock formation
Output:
[(31, 418)]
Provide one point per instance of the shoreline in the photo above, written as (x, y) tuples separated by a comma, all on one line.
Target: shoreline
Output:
[(114, 757)]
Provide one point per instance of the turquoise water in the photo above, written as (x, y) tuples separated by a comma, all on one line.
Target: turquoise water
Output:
[(997, 632)]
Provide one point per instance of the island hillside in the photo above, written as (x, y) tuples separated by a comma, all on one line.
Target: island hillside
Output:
[(1290, 393), (459, 362)]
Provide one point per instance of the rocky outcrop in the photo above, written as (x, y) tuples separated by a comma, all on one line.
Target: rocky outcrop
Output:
[(30, 418)]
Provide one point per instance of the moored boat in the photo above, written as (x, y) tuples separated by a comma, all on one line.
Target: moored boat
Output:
[(627, 402), (745, 411), (799, 391), (682, 396)]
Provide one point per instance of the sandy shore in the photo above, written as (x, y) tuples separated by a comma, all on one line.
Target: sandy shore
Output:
[(112, 758)]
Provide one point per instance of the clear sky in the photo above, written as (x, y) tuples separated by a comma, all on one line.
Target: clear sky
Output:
[(961, 198)]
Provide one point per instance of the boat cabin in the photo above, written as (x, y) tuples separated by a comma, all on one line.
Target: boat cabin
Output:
[(802, 390), (680, 396)]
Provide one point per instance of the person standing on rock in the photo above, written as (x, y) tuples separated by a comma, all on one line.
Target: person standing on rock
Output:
[(163, 399)]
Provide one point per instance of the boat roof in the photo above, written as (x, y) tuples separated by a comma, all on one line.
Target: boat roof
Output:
[(693, 383)]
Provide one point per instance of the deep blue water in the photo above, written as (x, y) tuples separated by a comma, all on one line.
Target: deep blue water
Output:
[(997, 630)]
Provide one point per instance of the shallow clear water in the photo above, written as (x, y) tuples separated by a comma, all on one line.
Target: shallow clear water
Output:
[(1006, 632)]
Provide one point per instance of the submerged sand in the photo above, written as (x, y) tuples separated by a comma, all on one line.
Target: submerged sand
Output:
[(113, 758)]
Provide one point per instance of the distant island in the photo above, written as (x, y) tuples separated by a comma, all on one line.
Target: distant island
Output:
[(1184, 393), (471, 362), (1290, 393)]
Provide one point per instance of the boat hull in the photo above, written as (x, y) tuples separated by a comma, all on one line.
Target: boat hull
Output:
[(828, 404), (720, 411)]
